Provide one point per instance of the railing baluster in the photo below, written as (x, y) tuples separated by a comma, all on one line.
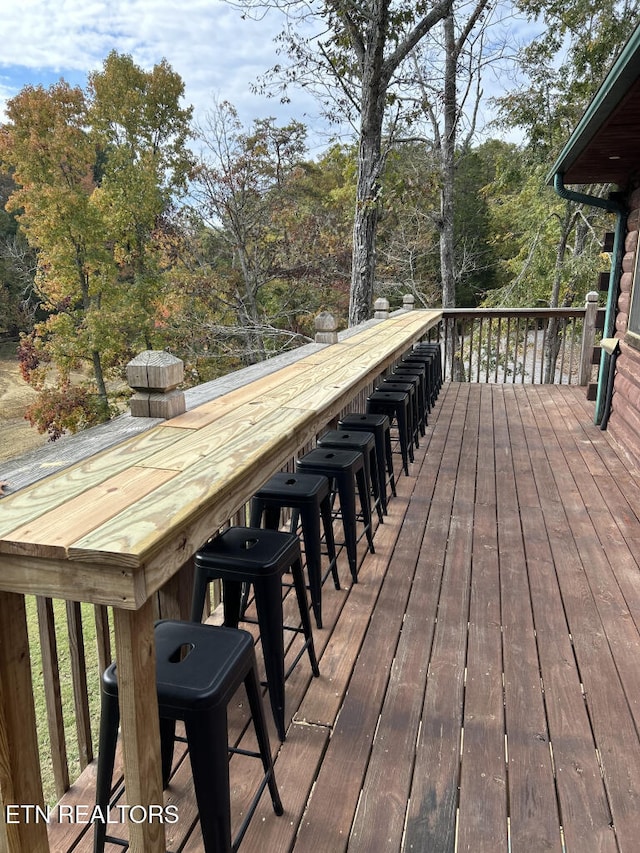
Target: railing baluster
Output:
[(53, 699), (563, 347), (79, 677), (488, 363), (505, 369), (535, 350), (572, 348)]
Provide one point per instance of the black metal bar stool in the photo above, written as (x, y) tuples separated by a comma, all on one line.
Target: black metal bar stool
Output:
[(377, 424), (199, 668), (417, 370), (365, 442), (395, 404), (410, 384), (309, 495), (430, 354), (345, 470), (426, 360), (253, 555)]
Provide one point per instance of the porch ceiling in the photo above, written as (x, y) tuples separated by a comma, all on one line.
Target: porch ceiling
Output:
[(604, 146)]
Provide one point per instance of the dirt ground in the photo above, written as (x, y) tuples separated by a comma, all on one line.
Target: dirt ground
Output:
[(16, 434)]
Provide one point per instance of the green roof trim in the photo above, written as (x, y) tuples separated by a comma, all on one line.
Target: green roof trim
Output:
[(624, 72)]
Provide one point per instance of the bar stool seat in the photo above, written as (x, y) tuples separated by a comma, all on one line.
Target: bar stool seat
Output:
[(345, 470), (309, 495), (199, 668), (253, 555), (378, 424), (395, 404), (365, 442)]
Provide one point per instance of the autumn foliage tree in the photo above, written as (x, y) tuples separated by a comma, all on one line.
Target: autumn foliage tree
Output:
[(89, 194)]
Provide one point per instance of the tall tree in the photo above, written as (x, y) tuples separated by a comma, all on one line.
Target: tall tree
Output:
[(561, 71), (272, 238), (140, 131), (363, 46), (89, 193), (448, 69)]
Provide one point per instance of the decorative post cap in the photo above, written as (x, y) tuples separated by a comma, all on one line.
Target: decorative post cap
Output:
[(381, 309), (154, 376), (326, 328)]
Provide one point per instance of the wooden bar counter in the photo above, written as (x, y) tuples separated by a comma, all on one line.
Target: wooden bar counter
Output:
[(116, 527)]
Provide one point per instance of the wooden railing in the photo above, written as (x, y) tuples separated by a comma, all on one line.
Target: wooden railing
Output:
[(548, 345), (71, 644)]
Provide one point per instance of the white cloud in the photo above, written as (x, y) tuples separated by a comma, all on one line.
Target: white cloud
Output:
[(215, 51)]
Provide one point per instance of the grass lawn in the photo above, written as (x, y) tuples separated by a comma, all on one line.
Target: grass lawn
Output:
[(66, 689)]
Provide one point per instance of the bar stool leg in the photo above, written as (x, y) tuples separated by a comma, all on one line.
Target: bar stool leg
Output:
[(348, 511), (262, 736), (365, 504), (268, 598), (301, 593), (311, 536), (110, 719), (327, 524), (208, 753), (167, 740)]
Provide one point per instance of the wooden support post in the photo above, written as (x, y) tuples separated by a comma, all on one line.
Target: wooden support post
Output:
[(20, 778), (137, 695), (588, 337)]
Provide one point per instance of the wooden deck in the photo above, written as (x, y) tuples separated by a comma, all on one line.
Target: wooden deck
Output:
[(480, 687)]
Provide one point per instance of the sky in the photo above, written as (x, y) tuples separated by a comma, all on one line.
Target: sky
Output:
[(217, 53)]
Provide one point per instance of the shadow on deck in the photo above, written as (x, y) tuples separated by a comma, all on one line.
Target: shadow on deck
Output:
[(479, 686)]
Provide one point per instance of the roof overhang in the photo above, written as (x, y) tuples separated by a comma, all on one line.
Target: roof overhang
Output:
[(605, 146)]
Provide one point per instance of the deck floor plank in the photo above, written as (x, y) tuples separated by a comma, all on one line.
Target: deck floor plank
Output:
[(479, 686)]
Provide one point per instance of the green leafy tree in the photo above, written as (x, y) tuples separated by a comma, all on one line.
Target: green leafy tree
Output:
[(561, 71), (89, 198)]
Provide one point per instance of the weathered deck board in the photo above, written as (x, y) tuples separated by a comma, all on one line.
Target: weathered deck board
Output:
[(479, 686)]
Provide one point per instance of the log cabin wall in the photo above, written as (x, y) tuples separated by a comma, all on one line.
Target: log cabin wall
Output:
[(624, 422)]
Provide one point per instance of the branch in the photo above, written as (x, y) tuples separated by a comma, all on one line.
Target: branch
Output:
[(419, 31)]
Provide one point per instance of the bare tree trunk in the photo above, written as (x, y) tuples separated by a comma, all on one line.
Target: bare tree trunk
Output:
[(447, 160), (375, 80), (365, 225), (99, 377)]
